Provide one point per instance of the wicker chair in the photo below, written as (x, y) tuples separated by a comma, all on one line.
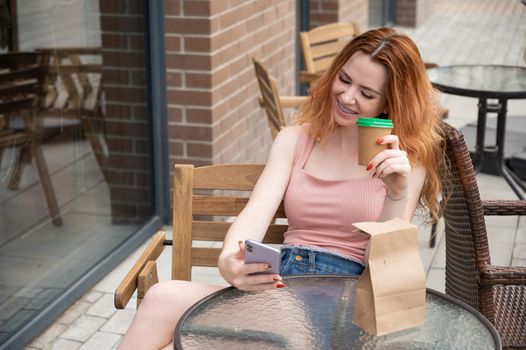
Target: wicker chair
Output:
[(498, 292)]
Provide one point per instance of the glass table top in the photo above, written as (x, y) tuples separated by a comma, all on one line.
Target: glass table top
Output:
[(316, 313), (490, 81)]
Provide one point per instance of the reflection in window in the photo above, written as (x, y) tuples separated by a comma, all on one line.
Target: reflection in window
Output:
[(74, 146)]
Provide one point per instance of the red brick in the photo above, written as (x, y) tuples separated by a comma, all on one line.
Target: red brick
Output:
[(127, 129), (142, 147), (199, 150), (140, 113), (197, 8), (127, 24), (187, 25), (113, 76), (116, 6), (175, 114), (126, 94), (175, 148), (172, 43), (122, 177), (130, 195), (138, 77), (184, 97), (174, 79), (199, 116), (197, 44), (198, 80), (183, 132), (136, 42), (129, 161), (114, 41), (119, 145), (182, 61), (172, 7), (143, 179), (120, 111), (124, 59)]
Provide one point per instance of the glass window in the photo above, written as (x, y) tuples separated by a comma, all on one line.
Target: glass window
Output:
[(75, 152)]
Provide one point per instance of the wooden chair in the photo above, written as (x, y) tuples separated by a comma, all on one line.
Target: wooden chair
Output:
[(20, 88), (271, 101), (498, 292), (197, 216), (73, 90), (320, 45)]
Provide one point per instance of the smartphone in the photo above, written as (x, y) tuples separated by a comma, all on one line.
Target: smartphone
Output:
[(256, 252)]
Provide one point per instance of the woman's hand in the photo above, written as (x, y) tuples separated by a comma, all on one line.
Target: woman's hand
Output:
[(234, 270), (392, 167)]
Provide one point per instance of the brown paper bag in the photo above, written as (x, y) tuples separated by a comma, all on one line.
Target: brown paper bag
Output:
[(390, 294)]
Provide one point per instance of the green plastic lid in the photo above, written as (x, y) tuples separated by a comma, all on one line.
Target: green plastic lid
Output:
[(375, 123)]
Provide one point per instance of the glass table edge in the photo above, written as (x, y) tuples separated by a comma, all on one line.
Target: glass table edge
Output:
[(477, 93), (491, 328)]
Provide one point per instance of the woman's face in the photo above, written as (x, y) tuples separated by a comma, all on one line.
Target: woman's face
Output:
[(358, 90)]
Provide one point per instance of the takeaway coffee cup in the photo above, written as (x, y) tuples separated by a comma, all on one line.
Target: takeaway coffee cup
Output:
[(370, 130)]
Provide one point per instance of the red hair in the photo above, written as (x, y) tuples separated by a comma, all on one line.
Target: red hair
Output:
[(412, 101)]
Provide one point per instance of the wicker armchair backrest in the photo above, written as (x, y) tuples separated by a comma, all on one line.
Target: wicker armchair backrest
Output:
[(466, 239)]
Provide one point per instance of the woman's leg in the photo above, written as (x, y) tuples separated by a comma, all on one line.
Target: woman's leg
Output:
[(155, 320)]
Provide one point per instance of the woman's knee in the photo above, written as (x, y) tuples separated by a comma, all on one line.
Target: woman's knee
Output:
[(165, 292)]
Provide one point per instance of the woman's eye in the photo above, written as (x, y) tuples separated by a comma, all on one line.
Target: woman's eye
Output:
[(344, 79), (367, 96)]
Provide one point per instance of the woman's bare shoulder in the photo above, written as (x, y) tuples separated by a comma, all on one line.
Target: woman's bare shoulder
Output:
[(285, 141)]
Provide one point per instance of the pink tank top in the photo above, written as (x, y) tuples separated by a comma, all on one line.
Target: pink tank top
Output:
[(321, 212)]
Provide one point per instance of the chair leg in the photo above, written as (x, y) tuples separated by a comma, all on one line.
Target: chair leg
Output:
[(94, 137), (433, 235), (23, 156), (47, 186)]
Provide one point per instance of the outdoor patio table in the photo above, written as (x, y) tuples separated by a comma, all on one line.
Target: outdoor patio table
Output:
[(486, 82), (316, 312)]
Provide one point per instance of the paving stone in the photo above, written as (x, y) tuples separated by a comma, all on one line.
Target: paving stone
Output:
[(83, 328), (119, 322), (101, 341), (73, 312), (103, 307), (519, 252), (91, 296), (11, 307), (63, 344), (28, 292), (42, 299), (518, 262), (436, 279), (16, 320), (48, 335)]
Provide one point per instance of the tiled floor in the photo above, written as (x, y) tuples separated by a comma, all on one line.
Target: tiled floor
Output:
[(461, 31)]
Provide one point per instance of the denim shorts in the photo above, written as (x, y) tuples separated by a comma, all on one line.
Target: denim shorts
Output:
[(314, 261)]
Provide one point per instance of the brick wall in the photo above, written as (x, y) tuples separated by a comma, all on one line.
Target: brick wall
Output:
[(412, 13), (213, 111), (330, 11), (125, 109)]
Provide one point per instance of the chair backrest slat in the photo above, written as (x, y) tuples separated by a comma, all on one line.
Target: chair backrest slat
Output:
[(270, 98), (207, 217), (321, 44)]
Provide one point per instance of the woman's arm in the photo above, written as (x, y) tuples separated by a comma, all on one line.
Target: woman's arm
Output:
[(254, 219)]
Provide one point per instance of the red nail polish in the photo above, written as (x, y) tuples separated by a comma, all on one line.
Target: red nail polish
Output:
[(379, 141), (369, 166), (280, 285)]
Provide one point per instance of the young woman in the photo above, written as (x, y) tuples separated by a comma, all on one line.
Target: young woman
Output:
[(313, 167)]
